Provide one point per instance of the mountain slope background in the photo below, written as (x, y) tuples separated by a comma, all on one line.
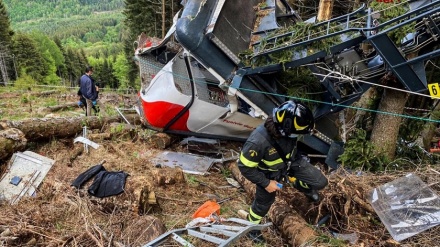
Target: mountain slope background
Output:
[(77, 23)]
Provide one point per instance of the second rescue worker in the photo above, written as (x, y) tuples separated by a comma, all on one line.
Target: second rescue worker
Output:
[(269, 156)]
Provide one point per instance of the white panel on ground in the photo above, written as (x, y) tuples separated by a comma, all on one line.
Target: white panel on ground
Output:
[(24, 174), (190, 163)]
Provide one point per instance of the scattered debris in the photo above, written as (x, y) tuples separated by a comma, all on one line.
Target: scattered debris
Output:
[(233, 182), (352, 238), (86, 142), (202, 145), (190, 163), (104, 184), (406, 206), (23, 176), (168, 176), (119, 110), (226, 232)]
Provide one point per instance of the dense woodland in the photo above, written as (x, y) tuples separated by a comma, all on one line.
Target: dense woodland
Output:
[(65, 36)]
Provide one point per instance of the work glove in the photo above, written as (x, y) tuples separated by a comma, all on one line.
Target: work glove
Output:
[(94, 102)]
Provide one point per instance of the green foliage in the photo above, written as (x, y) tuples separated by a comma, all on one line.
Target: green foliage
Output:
[(50, 102), (24, 99), (330, 241), (300, 83), (121, 69), (392, 10), (411, 129), (361, 153), (191, 180), (141, 17), (29, 59), (69, 32), (24, 82), (408, 154), (226, 172), (117, 129), (299, 32), (45, 9), (6, 31)]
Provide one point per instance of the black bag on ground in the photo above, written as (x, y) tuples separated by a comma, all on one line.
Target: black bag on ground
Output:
[(108, 184), (87, 175)]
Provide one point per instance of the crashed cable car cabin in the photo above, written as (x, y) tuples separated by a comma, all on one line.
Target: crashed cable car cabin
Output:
[(194, 82)]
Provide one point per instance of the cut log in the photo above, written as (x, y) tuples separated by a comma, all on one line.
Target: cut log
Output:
[(11, 140), (292, 226), (122, 131), (99, 136), (14, 135), (45, 128), (160, 140), (144, 192), (167, 176)]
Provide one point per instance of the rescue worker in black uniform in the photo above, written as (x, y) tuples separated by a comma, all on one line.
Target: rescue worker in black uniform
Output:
[(261, 160)]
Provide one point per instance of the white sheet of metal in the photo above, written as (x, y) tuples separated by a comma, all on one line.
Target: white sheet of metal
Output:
[(24, 174), (190, 163)]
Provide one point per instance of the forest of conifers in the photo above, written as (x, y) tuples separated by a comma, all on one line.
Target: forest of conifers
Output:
[(51, 41)]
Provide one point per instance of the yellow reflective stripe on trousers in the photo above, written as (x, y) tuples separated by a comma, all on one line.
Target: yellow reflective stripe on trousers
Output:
[(247, 162), (254, 216), (272, 170)]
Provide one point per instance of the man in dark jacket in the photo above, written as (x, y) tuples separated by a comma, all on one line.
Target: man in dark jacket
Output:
[(269, 156), (88, 89)]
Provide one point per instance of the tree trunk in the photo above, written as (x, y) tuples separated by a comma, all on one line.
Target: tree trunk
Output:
[(292, 226), (386, 127), (428, 131), (11, 140), (325, 10), (44, 128), (14, 135), (161, 140)]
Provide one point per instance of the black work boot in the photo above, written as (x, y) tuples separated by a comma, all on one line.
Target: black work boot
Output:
[(312, 195), (256, 236)]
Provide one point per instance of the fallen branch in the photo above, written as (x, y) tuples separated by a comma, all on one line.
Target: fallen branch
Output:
[(363, 204), (58, 107)]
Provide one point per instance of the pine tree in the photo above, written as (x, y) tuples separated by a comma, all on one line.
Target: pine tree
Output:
[(5, 30), (6, 58), (30, 61)]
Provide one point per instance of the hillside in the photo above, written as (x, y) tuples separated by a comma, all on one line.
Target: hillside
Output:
[(77, 22)]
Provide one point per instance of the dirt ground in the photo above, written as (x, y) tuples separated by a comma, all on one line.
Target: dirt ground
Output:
[(61, 215)]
